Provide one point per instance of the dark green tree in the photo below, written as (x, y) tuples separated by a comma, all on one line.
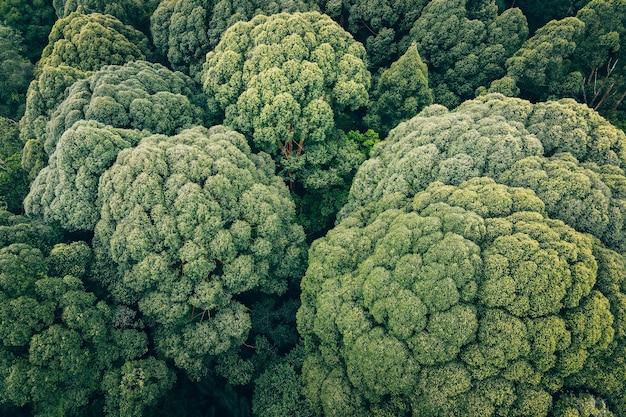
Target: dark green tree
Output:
[(33, 19), (135, 13), (13, 179), (17, 73), (540, 12), (382, 26), (61, 346), (465, 45), (579, 57), (185, 30), (279, 391), (401, 92)]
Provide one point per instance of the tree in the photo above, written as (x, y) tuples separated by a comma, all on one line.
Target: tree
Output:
[(193, 223), (90, 41), (124, 104), (185, 30), (13, 179), (138, 95), (66, 190), (382, 26), (465, 45), (604, 374), (59, 342), (446, 146), (132, 12), (570, 156), (33, 19), (600, 56), (582, 405), (279, 390), (287, 82), (585, 196), (401, 92), (542, 65), (463, 300), (79, 44), (579, 57), (17, 71), (540, 12)]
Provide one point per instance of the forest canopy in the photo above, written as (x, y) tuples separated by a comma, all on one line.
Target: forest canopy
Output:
[(313, 208)]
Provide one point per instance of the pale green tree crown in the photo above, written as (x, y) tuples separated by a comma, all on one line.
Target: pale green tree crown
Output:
[(78, 45), (464, 300), (192, 221), (565, 152)]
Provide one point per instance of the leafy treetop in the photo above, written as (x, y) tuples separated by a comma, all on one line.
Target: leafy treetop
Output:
[(192, 222), (79, 44), (465, 300), (571, 157), (185, 30), (61, 346), (465, 45), (288, 82)]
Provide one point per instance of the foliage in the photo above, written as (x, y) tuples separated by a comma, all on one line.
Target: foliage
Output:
[(193, 222), (279, 390), (79, 44), (401, 92), (446, 146), (13, 179), (135, 13), (365, 140), (138, 95), (465, 45), (185, 30), (477, 268), (542, 66), (382, 26), (16, 229), (59, 342), (572, 158), (66, 190), (579, 57), (133, 101), (90, 41), (17, 73), (605, 374), (582, 405), (284, 81), (33, 19), (464, 300), (540, 12)]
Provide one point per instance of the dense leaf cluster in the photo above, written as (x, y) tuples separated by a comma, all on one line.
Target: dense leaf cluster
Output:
[(193, 221), (442, 301), (286, 81), (79, 44), (61, 346), (465, 260)]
